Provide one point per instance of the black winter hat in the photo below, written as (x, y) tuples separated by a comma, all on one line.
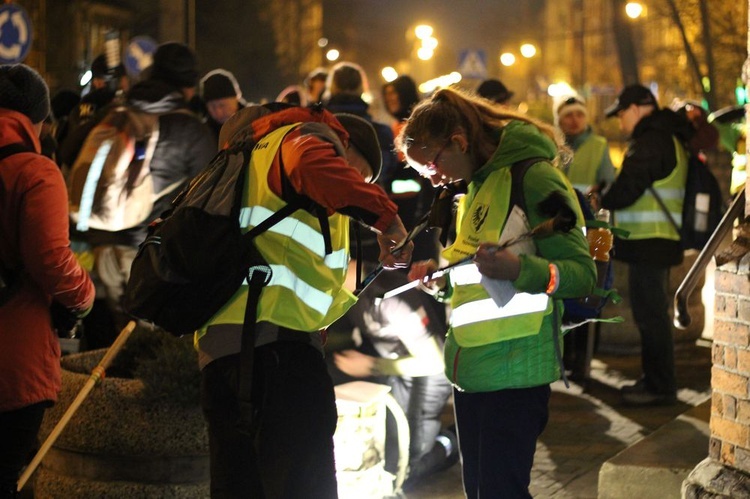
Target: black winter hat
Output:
[(632, 94), (219, 84), (22, 89), (175, 63), (363, 136)]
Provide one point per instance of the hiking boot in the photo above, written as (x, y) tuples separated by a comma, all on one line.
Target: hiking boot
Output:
[(645, 397)]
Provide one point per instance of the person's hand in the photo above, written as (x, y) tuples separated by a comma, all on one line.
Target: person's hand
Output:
[(64, 320), (420, 270), (354, 363), (389, 240), (497, 263)]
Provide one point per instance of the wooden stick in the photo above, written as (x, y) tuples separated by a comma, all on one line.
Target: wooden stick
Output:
[(97, 374)]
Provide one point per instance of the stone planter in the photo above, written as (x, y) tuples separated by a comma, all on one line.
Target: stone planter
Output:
[(117, 447)]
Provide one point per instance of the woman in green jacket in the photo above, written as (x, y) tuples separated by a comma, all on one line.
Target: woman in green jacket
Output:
[(503, 345)]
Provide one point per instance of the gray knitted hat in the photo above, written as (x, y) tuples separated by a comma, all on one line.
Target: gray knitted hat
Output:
[(22, 89)]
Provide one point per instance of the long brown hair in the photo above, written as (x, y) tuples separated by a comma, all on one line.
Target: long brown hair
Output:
[(451, 109)]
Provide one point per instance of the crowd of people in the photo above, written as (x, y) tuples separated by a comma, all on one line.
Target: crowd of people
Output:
[(486, 334)]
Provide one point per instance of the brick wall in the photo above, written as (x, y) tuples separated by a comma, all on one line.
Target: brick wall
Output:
[(730, 375)]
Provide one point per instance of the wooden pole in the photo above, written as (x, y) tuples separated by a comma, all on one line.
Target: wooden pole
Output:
[(97, 374)]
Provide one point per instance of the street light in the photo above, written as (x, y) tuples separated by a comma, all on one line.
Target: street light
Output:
[(528, 50), (634, 10), (333, 55), (423, 31), (507, 59), (389, 74)]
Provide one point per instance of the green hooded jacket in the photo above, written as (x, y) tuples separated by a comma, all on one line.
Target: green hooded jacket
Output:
[(531, 360)]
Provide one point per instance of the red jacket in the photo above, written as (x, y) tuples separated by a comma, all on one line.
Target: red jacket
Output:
[(34, 236)]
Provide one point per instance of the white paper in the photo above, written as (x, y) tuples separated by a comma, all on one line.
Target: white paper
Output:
[(502, 291)]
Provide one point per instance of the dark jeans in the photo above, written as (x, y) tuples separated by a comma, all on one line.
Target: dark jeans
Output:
[(18, 433), (649, 302), (497, 434), (292, 455)]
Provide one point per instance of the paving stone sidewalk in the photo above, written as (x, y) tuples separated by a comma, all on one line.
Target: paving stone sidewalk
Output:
[(588, 427)]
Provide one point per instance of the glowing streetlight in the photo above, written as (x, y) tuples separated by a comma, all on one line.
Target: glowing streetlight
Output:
[(333, 55), (425, 53), (528, 50), (423, 31), (389, 74), (507, 59), (559, 88), (430, 43), (633, 10)]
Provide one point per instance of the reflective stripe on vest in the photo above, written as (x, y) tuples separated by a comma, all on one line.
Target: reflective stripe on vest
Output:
[(306, 290), (476, 320), (586, 161), (302, 234), (645, 219)]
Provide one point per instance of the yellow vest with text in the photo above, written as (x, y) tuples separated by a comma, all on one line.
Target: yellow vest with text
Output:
[(645, 219), (306, 291), (586, 160), (475, 319)]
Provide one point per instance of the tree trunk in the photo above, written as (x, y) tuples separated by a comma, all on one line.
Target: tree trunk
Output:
[(625, 46)]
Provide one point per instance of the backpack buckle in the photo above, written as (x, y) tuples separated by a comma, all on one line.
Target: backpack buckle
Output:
[(259, 272)]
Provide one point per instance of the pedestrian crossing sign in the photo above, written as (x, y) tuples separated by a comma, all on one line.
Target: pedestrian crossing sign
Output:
[(472, 63)]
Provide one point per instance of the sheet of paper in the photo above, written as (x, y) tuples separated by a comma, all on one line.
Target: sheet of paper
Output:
[(501, 291)]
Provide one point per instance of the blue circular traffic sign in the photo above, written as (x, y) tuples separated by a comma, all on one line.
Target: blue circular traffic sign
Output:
[(15, 34)]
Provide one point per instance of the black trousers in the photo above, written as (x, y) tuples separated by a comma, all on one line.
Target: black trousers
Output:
[(292, 454), (497, 433), (649, 302), (18, 434)]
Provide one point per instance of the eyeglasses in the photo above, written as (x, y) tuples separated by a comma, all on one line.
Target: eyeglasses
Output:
[(431, 166)]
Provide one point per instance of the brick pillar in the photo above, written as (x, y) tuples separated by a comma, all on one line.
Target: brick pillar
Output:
[(726, 471)]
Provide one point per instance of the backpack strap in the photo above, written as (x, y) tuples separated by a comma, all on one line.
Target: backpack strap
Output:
[(8, 276)]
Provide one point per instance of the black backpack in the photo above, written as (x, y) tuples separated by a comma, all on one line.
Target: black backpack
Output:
[(703, 207)]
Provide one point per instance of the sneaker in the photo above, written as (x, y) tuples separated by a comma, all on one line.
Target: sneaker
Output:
[(647, 398)]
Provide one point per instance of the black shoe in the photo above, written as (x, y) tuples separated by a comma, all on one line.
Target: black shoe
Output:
[(647, 398), (638, 386)]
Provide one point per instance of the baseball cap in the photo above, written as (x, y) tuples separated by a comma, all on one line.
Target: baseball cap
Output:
[(632, 94)]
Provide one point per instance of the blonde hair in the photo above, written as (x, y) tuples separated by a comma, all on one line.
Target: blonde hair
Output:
[(451, 109)]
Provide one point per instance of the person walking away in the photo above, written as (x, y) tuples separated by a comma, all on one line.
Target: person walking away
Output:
[(37, 268), (289, 450), (500, 359), (655, 158), (183, 149)]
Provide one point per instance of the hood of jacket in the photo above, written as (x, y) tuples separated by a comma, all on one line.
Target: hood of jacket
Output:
[(16, 127), (518, 141), (665, 120), (157, 97)]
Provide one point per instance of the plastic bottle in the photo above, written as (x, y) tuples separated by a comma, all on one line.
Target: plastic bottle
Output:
[(600, 243), (600, 239)]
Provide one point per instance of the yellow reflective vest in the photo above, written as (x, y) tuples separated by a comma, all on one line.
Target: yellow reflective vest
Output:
[(586, 161), (476, 320), (645, 219), (306, 291)]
